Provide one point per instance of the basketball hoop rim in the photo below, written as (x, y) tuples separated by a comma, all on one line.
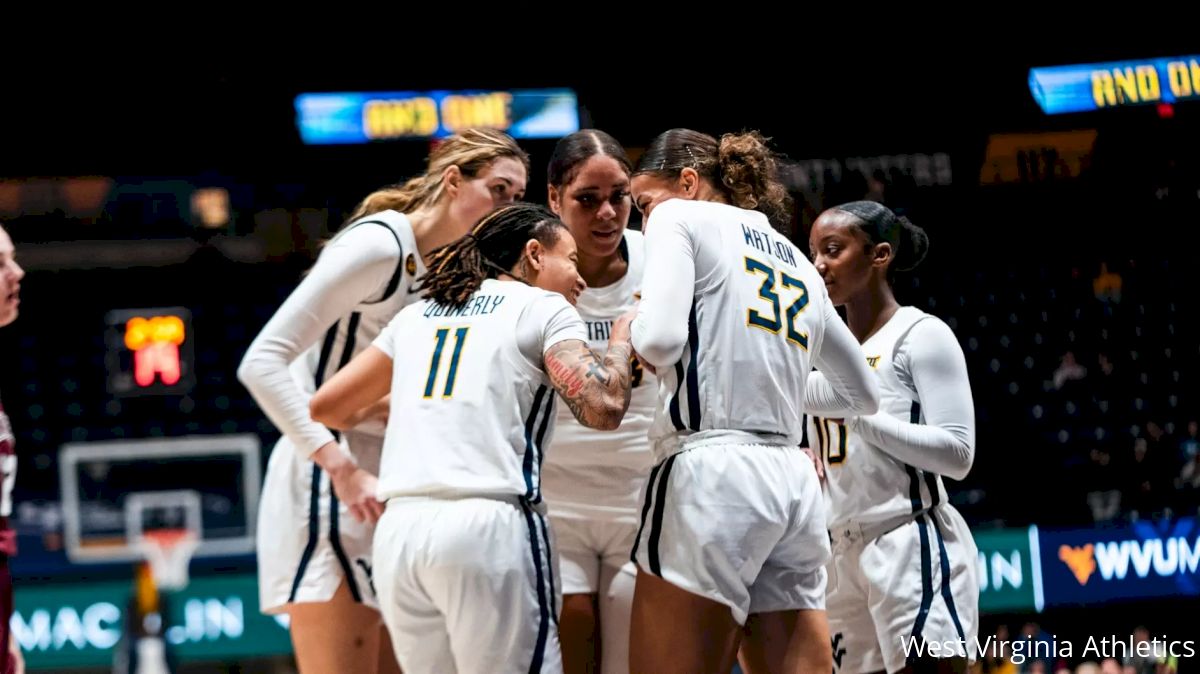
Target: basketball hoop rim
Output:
[(165, 538)]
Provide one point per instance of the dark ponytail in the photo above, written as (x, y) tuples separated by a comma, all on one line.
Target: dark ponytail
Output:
[(909, 242), (914, 245), (495, 244)]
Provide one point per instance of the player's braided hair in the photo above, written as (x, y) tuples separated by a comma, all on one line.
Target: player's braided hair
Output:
[(494, 245)]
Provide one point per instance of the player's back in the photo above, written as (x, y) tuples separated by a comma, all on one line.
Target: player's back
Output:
[(472, 409), (750, 332)]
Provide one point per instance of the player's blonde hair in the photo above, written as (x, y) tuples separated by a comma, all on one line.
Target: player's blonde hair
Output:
[(471, 151)]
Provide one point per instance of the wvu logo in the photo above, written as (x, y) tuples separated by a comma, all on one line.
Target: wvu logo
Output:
[(838, 650), (1081, 561), (873, 361), (1163, 556)]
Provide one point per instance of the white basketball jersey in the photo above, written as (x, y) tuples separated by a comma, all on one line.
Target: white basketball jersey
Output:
[(755, 318), (863, 483), (364, 321), (606, 469), (472, 410)]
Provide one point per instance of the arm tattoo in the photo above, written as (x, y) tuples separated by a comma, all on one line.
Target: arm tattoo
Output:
[(596, 371), (562, 373), (596, 389)]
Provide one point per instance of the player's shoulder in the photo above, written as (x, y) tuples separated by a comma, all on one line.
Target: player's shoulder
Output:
[(682, 211), (541, 308), (376, 232), (926, 329), (539, 296), (394, 219), (922, 321), (705, 222), (519, 293)]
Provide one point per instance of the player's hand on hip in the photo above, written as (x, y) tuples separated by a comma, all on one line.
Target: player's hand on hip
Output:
[(353, 486), (356, 489)]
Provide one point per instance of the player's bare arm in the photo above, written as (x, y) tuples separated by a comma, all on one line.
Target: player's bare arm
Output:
[(595, 388), (349, 395)]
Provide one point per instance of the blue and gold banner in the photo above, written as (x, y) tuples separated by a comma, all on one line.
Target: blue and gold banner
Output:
[(1096, 86), (1142, 560), (362, 117)]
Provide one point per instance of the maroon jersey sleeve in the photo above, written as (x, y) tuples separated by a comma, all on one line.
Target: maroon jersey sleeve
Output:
[(8, 477)]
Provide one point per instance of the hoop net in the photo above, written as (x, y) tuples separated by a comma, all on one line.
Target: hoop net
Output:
[(168, 551)]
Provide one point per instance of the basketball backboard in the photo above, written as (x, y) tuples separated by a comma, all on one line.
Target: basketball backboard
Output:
[(115, 491)]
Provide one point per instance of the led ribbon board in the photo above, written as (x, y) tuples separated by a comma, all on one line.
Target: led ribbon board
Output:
[(355, 118), (1096, 86)]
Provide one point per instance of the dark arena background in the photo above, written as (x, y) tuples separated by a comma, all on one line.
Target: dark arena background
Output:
[(1063, 207)]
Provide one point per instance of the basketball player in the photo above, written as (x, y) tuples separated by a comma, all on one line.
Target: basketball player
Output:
[(732, 544), (592, 480), (315, 561), (903, 558), (465, 569), (10, 301)]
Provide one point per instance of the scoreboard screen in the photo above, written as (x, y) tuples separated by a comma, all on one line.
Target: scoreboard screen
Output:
[(149, 351), (1097, 86), (364, 117)]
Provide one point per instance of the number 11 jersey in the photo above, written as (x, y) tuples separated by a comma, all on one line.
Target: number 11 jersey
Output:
[(472, 410)]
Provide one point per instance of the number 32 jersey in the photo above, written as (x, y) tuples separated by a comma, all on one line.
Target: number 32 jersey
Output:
[(758, 314)]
